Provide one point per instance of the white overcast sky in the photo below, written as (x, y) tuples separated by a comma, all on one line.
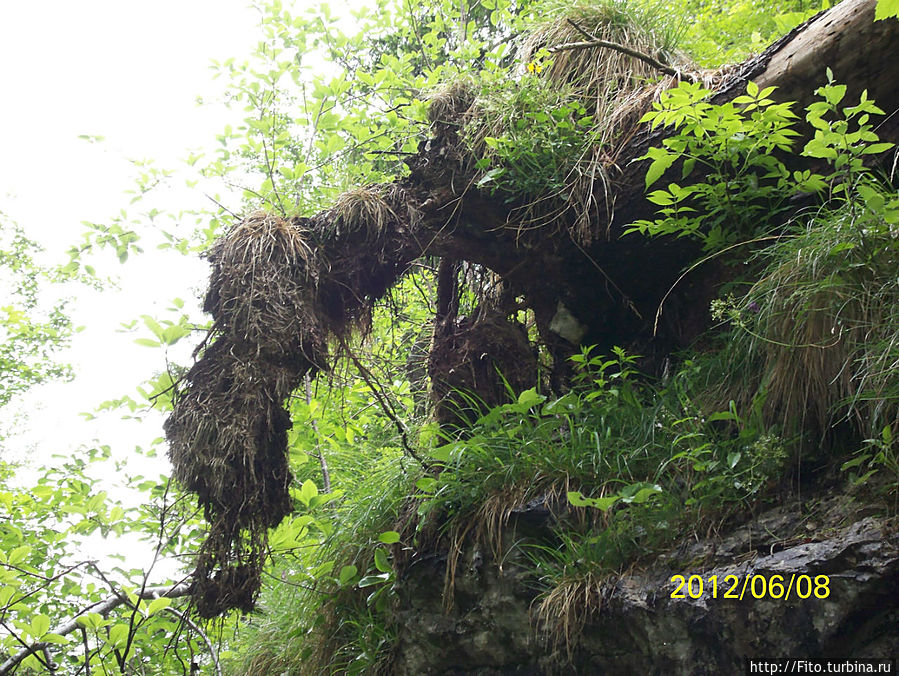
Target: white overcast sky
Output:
[(131, 72)]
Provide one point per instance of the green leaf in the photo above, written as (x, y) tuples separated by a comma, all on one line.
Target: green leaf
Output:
[(308, 491), (639, 493), (886, 9), (40, 625), (372, 580), (118, 635), (426, 484), (54, 638), (443, 453), (158, 604), (661, 161), (17, 555), (347, 573), (381, 561), (660, 197), (877, 148), (855, 462), (92, 621), (578, 500), (529, 398), (687, 169), (389, 537)]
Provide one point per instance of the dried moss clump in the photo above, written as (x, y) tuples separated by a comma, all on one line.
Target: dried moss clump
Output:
[(277, 299)]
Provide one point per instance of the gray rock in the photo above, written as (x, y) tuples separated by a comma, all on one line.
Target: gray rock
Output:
[(490, 626)]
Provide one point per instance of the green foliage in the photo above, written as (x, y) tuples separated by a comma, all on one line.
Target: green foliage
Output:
[(877, 453), (821, 303), (734, 145), (323, 104), (729, 31), (618, 440), (31, 329), (334, 606), (824, 307), (543, 132), (746, 183), (51, 533), (846, 140)]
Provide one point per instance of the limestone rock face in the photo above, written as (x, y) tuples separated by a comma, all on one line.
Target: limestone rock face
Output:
[(490, 627)]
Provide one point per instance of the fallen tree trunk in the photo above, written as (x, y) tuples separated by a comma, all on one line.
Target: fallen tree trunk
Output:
[(613, 286), (282, 291)]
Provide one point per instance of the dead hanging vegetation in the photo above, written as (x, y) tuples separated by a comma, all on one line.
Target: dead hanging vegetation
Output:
[(282, 294), (552, 136)]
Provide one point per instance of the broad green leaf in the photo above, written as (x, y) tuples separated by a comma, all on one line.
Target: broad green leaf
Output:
[(426, 484), (158, 604), (638, 498), (347, 573), (381, 561), (118, 635), (886, 9), (877, 148), (661, 161), (54, 638), (371, 580), (40, 625), (577, 499), (307, 491), (18, 555), (389, 537), (530, 398)]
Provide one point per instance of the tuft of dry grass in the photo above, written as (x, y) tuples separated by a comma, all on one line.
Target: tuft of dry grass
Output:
[(820, 342), (449, 103), (362, 210), (565, 609)]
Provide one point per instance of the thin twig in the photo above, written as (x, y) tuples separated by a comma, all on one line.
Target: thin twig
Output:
[(386, 406), (594, 41), (193, 625), (87, 652), (220, 205)]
